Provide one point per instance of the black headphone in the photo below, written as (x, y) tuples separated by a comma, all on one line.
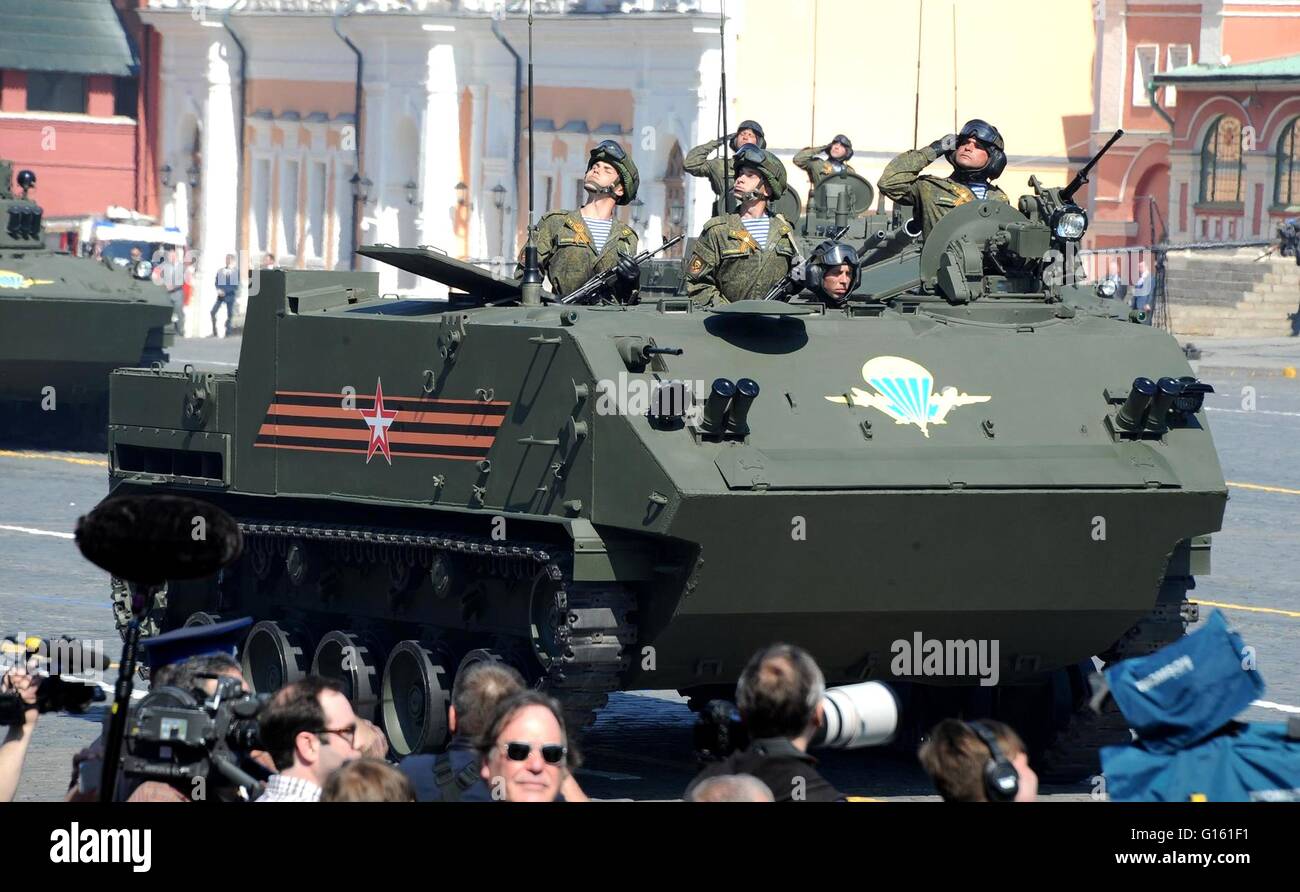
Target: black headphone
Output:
[(1001, 781)]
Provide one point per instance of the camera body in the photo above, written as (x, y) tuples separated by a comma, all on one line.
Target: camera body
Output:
[(177, 736), (854, 715)]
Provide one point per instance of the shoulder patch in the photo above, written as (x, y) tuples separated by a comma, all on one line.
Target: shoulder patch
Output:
[(696, 265)]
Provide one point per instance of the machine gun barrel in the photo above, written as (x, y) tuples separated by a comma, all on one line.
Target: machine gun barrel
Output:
[(602, 280), (1081, 178), (781, 290)]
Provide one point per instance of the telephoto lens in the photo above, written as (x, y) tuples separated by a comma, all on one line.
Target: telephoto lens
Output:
[(858, 715)]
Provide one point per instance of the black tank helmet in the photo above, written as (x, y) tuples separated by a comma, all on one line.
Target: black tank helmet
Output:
[(844, 141), (826, 256), (991, 140), (747, 124)]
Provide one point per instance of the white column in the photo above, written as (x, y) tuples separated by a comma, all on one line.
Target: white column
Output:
[(699, 195), (479, 194), (441, 147), (220, 169)]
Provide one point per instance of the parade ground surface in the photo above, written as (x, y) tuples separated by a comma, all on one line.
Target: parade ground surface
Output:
[(640, 748)]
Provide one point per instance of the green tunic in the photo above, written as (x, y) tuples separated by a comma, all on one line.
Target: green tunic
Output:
[(567, 255), (699, 164), (817, 168), (930, 197), (728, 265)]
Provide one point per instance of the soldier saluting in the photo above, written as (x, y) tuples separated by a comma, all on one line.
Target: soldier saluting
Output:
[(820, 162), (698, 164), (977, 155), (742, 255), (572, 246)]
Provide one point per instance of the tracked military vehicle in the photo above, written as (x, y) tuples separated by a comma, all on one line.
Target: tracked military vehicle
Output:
[(65, 323), (638, 497)]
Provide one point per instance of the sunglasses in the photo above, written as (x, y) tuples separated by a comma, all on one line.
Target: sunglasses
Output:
[(552, 753), (610, 148)]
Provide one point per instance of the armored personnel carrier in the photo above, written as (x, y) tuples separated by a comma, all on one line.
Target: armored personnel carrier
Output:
[(610, 497), (65, 323)]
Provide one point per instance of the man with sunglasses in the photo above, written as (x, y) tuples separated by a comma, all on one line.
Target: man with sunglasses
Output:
[(741, 255), (572, 246), (309, 729), (525, 751), (820, 162), (977, 155)]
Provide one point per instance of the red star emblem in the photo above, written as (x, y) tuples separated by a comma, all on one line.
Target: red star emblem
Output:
[(379, 423)]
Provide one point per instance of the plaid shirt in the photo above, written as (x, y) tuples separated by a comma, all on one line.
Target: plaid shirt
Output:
[(281, 788)]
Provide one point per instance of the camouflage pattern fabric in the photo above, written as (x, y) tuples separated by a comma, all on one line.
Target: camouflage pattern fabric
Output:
[(699, 164), (727, 264), (818, 168), (567, 255), (931, 197)]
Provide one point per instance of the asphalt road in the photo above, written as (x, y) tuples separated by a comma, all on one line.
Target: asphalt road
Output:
[(641, 745)]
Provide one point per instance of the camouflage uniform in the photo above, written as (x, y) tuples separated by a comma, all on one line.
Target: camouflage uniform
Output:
[(931, 197), (567, 255), (728, 265), (817, 168), (699, 164)]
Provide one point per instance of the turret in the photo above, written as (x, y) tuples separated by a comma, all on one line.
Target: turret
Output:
[(22, 216)]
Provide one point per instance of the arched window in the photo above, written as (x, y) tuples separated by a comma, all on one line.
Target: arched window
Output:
[(1221, 162), (1287, 191)]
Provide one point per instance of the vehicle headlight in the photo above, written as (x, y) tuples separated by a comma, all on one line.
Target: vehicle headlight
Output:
[(142, 269), (1107, 287), (1070, 223)]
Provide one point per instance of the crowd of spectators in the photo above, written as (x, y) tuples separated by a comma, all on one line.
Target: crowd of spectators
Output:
[(510, 743)]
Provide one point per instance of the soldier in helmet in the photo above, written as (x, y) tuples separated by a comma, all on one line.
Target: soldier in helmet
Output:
[(740, 256), (830, 275), (820, 162), (699, 164), (977, 155), (572, 246)]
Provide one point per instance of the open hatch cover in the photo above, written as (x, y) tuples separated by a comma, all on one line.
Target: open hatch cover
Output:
[(436, 266)]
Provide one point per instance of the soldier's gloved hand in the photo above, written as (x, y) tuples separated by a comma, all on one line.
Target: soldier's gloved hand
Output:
[(627, 268), (944, 144)]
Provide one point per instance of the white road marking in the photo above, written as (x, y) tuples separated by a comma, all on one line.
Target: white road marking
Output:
[(1280, 707), (33, 532), (608, 775), (1253, 411)]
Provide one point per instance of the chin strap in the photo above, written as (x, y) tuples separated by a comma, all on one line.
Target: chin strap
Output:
[(597, 191)]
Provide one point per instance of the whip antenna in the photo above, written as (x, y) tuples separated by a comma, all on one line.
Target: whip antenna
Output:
[(531, 284)]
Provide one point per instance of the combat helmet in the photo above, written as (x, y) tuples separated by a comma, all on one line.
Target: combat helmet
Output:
[(768, 166), (844, 141), (749, 124), (825, 256), (991, 140), (617, 157)]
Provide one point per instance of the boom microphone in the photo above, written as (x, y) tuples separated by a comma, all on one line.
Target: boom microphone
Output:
[(149, 539)]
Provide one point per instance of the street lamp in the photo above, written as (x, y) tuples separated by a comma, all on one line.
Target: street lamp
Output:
[(498, 196), (412, 193), (192, 175), (499, 202), (637, 205), (361, 188), (462, 195), (676, 214), (165, 176)]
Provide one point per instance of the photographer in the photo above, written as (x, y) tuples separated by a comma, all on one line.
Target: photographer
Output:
[(310, 730), (779, 697), (731, 788), (191, 658), (13, 749)]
